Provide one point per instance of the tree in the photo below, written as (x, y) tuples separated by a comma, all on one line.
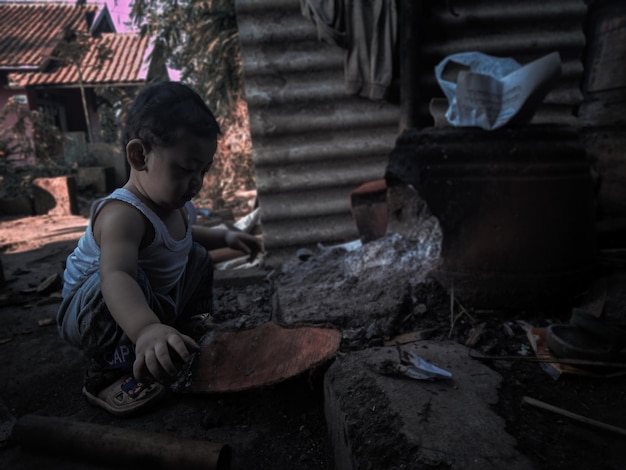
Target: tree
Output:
[(199, 38), (31, 133), (72, 50)]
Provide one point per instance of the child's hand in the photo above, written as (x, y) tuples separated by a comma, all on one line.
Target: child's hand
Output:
[(245, 242), (155, 353)]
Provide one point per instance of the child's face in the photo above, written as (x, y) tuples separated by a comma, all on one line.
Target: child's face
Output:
[(174, 174)]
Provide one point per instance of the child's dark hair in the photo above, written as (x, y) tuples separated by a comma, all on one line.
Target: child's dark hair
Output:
[(163, 110)]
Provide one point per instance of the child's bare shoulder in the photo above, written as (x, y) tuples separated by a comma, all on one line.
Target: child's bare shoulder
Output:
[(118, 218)]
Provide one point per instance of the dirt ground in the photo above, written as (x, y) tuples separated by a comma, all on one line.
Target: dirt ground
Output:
[(282, 426)]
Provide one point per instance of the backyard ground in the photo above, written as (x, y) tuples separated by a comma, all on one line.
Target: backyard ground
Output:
[(282, 426)]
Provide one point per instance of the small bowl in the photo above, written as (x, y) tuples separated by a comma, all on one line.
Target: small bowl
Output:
[(613, 335), (570, 341)]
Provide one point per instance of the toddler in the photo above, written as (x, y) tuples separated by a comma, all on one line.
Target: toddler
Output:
[(142, 269)]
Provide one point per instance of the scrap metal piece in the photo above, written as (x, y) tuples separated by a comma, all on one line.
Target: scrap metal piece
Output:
[(411, 365), (417, 368)]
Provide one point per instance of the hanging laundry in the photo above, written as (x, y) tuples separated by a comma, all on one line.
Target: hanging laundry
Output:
[(368, 31)]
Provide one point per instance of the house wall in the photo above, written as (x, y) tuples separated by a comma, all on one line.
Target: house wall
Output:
[(67, 107), (313, 144), (64, 103)]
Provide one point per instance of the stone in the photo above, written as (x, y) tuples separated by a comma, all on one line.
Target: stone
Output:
[(55, 196)]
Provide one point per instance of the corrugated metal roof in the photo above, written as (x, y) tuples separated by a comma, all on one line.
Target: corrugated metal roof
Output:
[(29, 32), (126, 64)]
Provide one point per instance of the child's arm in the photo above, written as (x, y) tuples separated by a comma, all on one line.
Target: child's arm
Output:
[(119, 229), (214, 238)]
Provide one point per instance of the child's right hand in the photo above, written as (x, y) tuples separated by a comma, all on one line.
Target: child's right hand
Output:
[(154, 360)]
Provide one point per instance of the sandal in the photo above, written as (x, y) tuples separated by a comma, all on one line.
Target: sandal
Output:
[(125, 396)]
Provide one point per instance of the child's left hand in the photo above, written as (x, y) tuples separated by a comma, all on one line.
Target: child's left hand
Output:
[(242, 241)]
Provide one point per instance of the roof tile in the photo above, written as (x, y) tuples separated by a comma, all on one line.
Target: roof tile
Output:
[(125, 65), (31, 31)]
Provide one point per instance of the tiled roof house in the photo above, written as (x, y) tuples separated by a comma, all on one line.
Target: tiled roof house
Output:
[(30, 34)]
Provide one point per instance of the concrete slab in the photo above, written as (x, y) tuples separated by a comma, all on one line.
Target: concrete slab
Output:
[(380, 421)]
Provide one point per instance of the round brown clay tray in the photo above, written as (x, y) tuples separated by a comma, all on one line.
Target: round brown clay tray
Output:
[(240, 360)]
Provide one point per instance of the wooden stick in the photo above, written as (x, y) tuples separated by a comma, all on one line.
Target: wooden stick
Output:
[(569, 414), (555, 360), (122, 447)]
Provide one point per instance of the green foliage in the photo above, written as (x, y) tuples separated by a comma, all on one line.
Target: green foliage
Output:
[(232, 171), (32, 133), (199, 38), (112, 105), (71, 50), (48, 139)]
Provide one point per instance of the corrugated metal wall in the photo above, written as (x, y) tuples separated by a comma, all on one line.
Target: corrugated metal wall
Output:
[(313, 144)]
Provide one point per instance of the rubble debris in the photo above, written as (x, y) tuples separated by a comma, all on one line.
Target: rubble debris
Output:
[(411, 337), (475, 334), (53, 298), (52, 283), (48, 321)]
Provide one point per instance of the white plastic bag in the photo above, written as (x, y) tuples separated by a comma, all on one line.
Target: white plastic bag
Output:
[(488, 92)]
